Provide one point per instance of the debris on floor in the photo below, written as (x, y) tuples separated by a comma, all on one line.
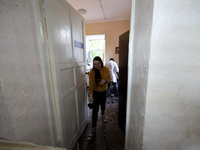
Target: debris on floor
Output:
[(108, 134)]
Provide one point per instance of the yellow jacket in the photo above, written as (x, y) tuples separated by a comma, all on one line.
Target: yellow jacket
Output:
[(105, 74)]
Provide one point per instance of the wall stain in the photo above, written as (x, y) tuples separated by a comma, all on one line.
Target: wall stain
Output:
[(57, 122)]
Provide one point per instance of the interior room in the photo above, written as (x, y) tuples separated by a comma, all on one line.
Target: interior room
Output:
[(44, 65)]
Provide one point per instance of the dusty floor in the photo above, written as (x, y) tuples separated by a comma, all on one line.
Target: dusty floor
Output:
[(108, 135)]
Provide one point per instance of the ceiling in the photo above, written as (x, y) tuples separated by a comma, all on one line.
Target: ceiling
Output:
[(103, 10)]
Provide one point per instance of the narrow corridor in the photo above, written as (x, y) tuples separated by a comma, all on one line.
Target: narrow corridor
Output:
[(108, 135)]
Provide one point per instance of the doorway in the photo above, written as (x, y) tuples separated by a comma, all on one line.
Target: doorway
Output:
[(95, 46)]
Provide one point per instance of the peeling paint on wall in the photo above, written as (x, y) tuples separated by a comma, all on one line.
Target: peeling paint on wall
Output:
[(6, 130)]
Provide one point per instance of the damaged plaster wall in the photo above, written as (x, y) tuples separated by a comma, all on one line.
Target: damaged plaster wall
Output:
[(24, 111), (163, 94), (138, 71), (172, 106), (6, 130)]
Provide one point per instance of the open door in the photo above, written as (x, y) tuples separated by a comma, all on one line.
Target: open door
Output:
[(123, 71), (66, 49)]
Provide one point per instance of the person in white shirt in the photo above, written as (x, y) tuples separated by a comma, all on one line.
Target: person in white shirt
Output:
[(114, 71)]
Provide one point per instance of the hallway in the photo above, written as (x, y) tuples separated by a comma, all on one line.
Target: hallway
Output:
[(43, 97), (108, 135)]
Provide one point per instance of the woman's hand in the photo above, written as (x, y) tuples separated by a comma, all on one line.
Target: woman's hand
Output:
[(102, 82), (90, 98)]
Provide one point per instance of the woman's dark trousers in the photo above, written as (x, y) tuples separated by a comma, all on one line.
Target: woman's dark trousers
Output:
[(99, 99)]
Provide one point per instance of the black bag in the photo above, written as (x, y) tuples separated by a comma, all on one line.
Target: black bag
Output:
[(90, 105)]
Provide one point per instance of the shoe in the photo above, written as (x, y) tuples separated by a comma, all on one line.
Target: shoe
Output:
[(104, 119), (92, 133)]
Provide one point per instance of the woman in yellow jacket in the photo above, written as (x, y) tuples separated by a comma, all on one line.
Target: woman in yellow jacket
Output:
[(99, 77)]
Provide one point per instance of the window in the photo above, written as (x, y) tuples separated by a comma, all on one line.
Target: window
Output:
[(95, 46)]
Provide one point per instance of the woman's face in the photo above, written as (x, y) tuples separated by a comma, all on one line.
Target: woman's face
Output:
[(97, 64)]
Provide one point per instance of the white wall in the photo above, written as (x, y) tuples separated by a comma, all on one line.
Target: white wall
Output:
[(24, 110), (140, 38), (169, 108), (43, 96), (173, 107)]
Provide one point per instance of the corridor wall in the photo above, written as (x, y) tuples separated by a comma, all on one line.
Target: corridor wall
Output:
[(112, 31), (24, 113), (163, 89), (43, 96)]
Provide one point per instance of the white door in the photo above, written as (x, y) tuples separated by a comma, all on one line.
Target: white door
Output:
[(65, 43)]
